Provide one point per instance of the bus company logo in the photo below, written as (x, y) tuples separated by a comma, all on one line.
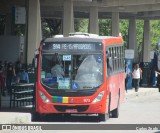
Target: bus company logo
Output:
[(6, 127)]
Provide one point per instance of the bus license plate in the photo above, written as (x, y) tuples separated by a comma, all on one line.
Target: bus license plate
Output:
[(71, 111)]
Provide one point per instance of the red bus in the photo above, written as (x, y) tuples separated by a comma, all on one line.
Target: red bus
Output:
[(80, 75)]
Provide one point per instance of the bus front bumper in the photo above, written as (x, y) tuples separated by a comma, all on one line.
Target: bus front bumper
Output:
[(90, 108)]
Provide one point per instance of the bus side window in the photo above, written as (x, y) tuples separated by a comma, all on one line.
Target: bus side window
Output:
[(112, 58), (109, 62), (122, 58), (115, 58), (119, 59)]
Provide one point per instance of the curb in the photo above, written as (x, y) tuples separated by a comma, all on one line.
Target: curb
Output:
[(15, 118)]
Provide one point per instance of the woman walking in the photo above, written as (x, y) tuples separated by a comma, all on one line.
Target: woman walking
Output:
[(137, 75)]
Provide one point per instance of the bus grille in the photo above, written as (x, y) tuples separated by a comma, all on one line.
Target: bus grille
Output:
[(80, 108)]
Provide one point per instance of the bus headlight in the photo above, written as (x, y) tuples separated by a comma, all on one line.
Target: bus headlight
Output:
[(99, 97), (43, 97)]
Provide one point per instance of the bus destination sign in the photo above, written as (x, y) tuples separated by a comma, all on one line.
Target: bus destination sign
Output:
[(74, 46)]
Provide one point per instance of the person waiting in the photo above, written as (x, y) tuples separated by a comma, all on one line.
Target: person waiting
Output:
[(23, 76), (2, 81)]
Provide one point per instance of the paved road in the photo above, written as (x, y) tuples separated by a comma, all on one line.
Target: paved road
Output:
[(140, 110)]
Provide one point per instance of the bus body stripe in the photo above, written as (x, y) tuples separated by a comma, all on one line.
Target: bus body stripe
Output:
[(55, 99), (65, 99), (59, 99)]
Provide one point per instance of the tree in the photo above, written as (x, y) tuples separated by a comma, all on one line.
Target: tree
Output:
[(81, 25), (139, 36), (51, 27), (105, 27), (124, 25), (155, 33)]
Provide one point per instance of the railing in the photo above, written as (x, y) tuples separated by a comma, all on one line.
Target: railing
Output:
[(22, 94)]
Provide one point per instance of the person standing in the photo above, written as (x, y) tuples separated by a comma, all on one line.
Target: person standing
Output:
[(128, 75), (2, 81), (137, 75), (158, 80), (10, 75), (23, 76)]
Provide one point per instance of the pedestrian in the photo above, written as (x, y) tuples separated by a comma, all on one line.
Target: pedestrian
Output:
[(137, 75), (23, 76), (18, 67), (2, 81), (128, 75), (158, 80), (10, 76)]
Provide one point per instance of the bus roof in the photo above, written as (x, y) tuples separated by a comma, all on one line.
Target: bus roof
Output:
[(104, 39)]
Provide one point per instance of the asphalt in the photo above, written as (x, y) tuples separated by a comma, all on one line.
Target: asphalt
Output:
[(24, 115)]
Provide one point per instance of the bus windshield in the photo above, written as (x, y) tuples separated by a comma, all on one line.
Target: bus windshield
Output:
[(71, 71)]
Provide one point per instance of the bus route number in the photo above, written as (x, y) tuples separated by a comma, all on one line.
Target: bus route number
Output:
[(56, 46), (86, 100)]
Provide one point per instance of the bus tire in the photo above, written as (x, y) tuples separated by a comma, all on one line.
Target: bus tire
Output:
[(103, 117), (109, 104), (115, 112), (106, 116)]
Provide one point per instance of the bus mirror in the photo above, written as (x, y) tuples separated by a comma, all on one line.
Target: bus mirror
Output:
[(36, 57), (109, 64), (35, 62), (36, 52)]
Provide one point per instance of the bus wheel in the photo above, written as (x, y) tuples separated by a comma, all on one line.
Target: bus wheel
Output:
[(103, 117), (115, 112)]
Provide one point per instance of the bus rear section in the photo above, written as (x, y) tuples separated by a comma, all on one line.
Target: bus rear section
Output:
[(71, 77)]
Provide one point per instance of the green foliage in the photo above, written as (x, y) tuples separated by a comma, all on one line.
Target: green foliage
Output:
[(139, 35), (51, 27), (155, 33), (124, 25), (81, 25), (105, 27)]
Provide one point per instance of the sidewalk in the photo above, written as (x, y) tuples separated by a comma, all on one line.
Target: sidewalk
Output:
[(23, 115), (143, 91)]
